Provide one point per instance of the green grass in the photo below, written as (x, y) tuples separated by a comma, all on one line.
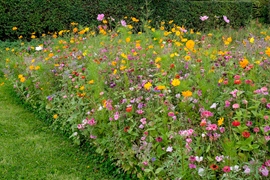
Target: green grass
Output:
[(30, 150)]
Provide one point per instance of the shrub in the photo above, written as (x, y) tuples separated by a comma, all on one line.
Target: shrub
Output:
[(261, 10), (28, 18)]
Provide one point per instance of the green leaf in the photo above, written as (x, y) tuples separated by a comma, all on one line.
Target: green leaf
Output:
[(158, 170)]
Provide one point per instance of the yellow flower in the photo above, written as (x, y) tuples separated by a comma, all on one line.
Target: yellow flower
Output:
[(14, 28), (175, 82), (33, 36), (134, 19), (82, 88), (20, 37), (73, 24), (251, 40), (243, 63), (22, 79), (171, 21), (37, 67), (31, 67), (220, 121), (186, 93), (91, 82), (190, 44), (20, 76), (157, 59), (122, 67), (267, 51), (187, 58), (147, 86), (128, 39), (161, 87), (55, 116)]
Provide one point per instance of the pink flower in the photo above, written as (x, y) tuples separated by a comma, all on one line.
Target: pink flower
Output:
[(123, 23), (206, 114), (219, 158), (235, 106), (192, 166), (227, 104), (256, 129), (171, 114), (226, 169), (116, 115), (203, 18), (226, 19), (264, 171), (100, 17), (93, 137), (91, 122), (222, 129), (141, 126)]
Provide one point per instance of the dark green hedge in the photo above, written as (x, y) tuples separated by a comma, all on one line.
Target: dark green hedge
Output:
[(53, 15), (261, 10)]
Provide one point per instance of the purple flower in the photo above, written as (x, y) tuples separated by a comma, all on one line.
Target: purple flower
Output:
[(100, 17), (203, 18), (226, 19)]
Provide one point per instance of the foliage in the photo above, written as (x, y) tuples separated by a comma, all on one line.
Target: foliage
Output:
[(261, 11), (30, 19), (166, 103)]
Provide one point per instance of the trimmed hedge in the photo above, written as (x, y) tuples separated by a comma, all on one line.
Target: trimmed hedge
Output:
[(43, 16)]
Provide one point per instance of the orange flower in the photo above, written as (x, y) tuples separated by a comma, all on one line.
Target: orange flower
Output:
[(190, 44), (237, 81), (187, 93), (267, 51), (213, 167), (129, 109), (243, 63)]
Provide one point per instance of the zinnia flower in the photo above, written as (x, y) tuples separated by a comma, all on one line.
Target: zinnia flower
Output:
[(226, 169), (190, 44), (236, 123), (213, 167), (245, 134)]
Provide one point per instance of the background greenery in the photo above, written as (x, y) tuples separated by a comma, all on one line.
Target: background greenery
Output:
[(48, 16)]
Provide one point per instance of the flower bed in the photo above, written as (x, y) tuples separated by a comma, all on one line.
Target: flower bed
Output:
[(165, 104)]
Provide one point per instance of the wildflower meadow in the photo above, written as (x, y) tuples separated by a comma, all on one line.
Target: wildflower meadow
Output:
[(162, 102)]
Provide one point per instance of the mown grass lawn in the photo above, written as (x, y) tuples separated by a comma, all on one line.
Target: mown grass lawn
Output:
[(30, 150)]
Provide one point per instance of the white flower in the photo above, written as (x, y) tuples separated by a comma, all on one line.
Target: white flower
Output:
[(169, 149), (38, 48), (213, 106), (203, 135), (198, 159), (235, 168), (201, 172)]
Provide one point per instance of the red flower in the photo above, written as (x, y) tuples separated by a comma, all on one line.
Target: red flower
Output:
[(245, 134), (129, 109), (236, 123), (237, 81)]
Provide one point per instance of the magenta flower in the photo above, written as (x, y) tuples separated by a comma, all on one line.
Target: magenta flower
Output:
[(159, 139), (226, 19), (93, 137), (100, 17), (192, 166), (203, 18)]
